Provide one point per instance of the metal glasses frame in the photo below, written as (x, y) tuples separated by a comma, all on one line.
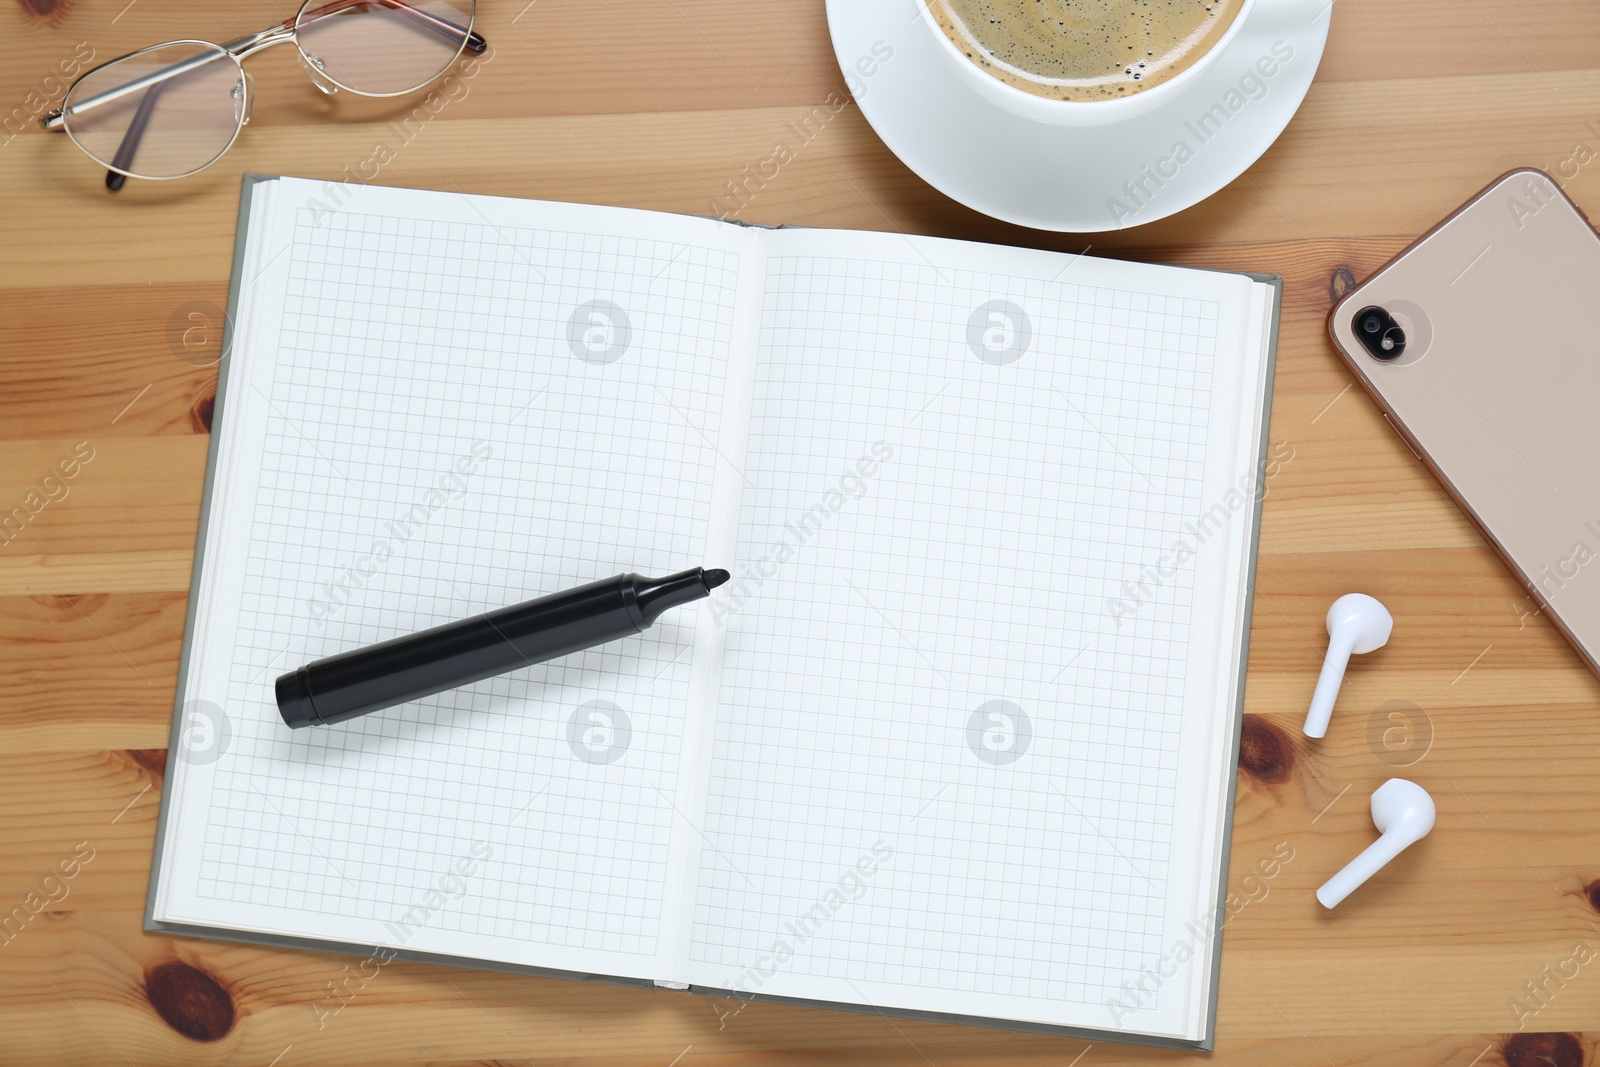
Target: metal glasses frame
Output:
[(235, 52)]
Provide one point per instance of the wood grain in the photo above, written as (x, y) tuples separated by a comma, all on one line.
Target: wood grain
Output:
[(108, 312)]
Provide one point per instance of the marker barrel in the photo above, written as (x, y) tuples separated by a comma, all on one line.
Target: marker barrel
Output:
[(380, 676)]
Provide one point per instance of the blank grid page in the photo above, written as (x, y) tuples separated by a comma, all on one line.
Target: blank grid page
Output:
[(941, 759), (464, 415)]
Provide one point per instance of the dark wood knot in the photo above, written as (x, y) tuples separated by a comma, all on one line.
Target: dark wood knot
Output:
[(153, 760), (191, 1001), (1265, 751), (48, 12), (1543, 1050), (200, 411)]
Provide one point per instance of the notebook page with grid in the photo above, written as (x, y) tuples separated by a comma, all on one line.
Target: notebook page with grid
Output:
[(427, 415), (956, 766), (954, 740)]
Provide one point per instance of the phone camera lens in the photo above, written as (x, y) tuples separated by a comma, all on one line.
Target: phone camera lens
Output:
[(1379, 333)]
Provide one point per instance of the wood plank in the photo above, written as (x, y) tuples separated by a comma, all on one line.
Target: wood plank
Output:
[(683, 161), (691, 56)]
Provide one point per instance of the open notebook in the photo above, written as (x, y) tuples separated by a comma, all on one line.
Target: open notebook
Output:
[(957, 740)]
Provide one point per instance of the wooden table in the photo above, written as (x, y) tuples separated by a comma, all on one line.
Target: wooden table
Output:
[(652, 105)]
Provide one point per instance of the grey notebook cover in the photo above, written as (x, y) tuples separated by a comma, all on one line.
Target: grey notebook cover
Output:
[(153, 925)]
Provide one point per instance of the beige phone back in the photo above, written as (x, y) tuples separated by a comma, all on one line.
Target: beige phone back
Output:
[(1498, 386)]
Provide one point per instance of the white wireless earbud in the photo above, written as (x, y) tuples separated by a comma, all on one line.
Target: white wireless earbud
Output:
[(1404, 812), (1357, 624)]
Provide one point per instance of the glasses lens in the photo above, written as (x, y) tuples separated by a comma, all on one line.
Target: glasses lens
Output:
[(383, 47), (161, 113)]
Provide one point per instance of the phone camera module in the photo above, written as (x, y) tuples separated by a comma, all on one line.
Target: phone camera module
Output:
[(1379, 333)]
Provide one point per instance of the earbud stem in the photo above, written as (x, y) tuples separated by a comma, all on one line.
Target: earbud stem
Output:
[(1327, 691), (1364, 866)]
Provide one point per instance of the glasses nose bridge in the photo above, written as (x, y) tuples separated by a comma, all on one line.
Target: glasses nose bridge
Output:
[(244, 47)]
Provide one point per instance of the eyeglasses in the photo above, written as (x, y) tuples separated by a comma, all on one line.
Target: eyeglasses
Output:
[(173, 109)]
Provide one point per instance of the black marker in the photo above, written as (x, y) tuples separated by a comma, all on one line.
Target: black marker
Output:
[(458, 653)]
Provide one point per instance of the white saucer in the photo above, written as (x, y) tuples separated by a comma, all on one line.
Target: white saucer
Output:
[(1077, 179)]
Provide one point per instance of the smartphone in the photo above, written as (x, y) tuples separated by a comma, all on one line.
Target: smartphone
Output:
[(1481, 344)]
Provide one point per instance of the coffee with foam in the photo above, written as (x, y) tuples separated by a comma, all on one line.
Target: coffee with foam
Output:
[(1084, 50)]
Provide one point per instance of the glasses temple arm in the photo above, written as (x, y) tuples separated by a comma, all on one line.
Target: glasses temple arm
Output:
[(56, 121), (130, 140), (442, 27)]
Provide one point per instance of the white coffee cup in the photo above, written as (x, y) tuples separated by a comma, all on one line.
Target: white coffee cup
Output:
[(1026, 105)]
